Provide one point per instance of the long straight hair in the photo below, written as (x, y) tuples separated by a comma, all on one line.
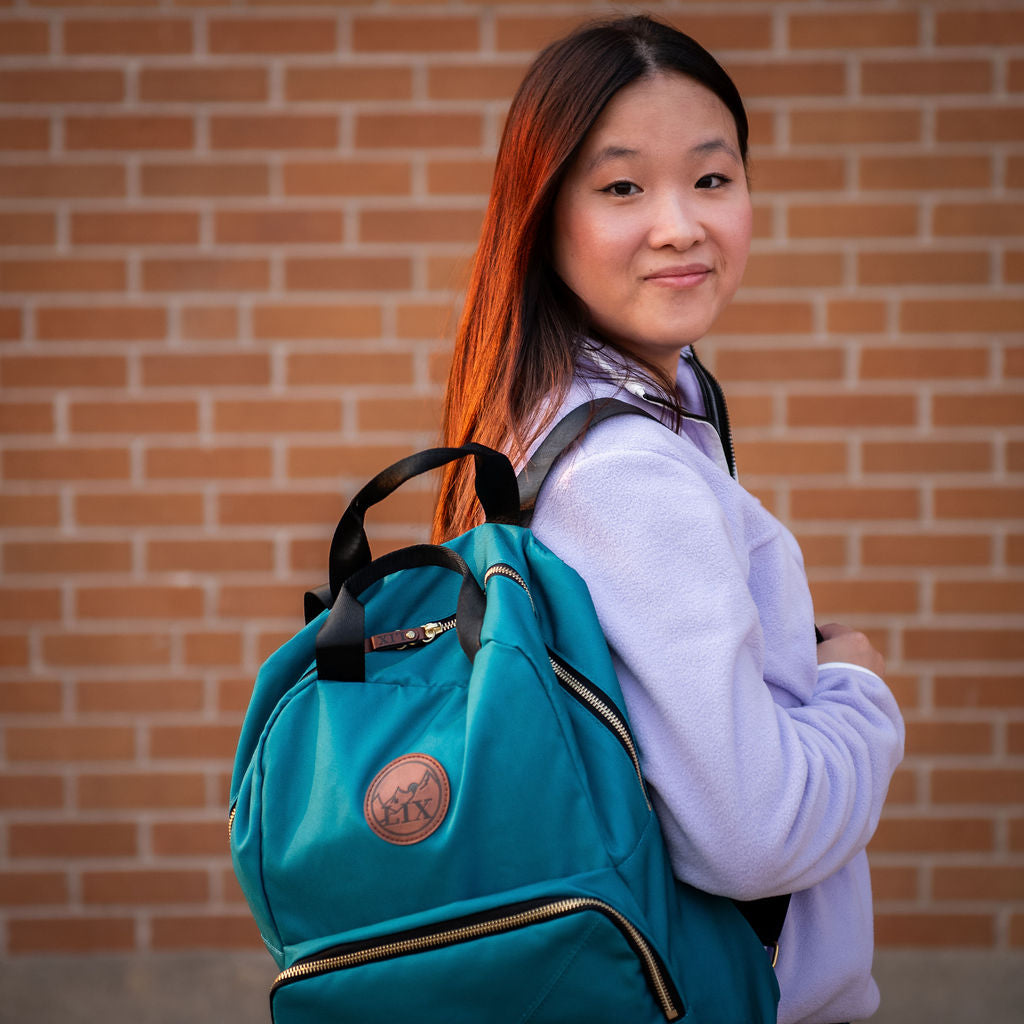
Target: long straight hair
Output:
[(521, 327)]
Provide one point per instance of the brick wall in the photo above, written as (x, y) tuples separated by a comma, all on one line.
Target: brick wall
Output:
[(231, 239)]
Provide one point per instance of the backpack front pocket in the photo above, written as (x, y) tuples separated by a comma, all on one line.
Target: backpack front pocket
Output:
[(495, 966)]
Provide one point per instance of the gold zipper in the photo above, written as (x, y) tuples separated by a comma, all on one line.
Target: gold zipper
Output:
[(607, 714), (483, 929), (231, 821)]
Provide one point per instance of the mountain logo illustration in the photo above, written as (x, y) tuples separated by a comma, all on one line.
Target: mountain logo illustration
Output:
[(408, 799)]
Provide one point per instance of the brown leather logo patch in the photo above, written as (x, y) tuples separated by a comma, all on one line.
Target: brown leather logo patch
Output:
[(407, 799)]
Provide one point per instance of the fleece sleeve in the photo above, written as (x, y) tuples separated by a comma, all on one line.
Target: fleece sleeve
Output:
[(756, 796)]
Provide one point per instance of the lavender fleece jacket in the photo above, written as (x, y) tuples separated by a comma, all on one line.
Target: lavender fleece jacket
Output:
[(767, 770)]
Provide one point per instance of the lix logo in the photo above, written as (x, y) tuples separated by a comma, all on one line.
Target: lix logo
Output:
[(408, 799)]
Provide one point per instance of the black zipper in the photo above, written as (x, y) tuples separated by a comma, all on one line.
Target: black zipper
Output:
[(501, 920), (718, 411)]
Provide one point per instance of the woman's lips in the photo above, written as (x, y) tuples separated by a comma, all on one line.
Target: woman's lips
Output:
[(680, 277)]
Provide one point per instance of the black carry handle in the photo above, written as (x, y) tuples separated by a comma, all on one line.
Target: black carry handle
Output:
[(495, 487), (340, 643), (570, 427)]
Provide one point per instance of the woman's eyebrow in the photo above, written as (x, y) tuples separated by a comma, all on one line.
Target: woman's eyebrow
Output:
[(610, 153), (714, 146)]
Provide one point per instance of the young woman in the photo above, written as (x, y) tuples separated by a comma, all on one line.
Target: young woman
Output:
[(617, 231)]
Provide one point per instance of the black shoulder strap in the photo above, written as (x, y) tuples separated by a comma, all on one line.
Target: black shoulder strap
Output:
[(569, 429)]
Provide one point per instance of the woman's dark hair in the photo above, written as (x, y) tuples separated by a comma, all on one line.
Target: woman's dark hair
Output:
[(521, 326)]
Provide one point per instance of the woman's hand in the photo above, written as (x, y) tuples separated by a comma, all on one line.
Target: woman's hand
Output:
[(842, 643)]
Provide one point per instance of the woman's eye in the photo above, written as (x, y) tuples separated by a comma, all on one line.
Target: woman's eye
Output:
[(712, 181), (622, 188)]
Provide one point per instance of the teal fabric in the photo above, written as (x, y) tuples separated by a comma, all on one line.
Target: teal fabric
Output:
[(545, 805)]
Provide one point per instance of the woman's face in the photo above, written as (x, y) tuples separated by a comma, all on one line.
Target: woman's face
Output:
[(652, 223)]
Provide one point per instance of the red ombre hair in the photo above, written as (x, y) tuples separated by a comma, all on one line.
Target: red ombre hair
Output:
[(521, 327)]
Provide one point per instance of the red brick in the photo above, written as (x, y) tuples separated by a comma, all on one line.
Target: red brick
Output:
[(930, 930), (793, 270), (263, 602), (70, 743), (853, 409), (933, 835), (978, 219), (819, 363), (848, 31), (760, 318), (212, 556), (61, 85), (976, 410), (195, 370), (926, 550), (71, 935), (204, 275), (991, 882), (193, 741), (792, 458), (348, 178), (261, 415), (151, 696), (357, 461), (272, 35), (190, 838), (107, 650), (41, 181), (24, 604), (10, 324), (62, 275), (928, 457), (66, 464), (978, 691), (484, 81), (853, 503), (73, 839), (205, 932), (134, 417), (210, 648), (926, 77), (25, 37), (974, 25), (977, 316), (459, 177), (279, 508), (227, 179), (148, 509), (26, 418), (363, 273), (31, 792), (951, 644), (852, 220), (67, 556), (101, 323), (27, 229), (35, 697), (979, 503), (949, 739), (123, 36), (840, 598), (209, 323), (399, 414), (428, 320), (24, 133), (855, 316), (333, 84), (822, 551), (924, 172), (305, 322), (349, 369), (979, 124), (185, 84), (843, 125), (756, 80), (894, 883), (139, 602), (143, 791), (898, 268), (275, 227), (29, 888), (124, 132), (273, 131), (414, 35), (418, 130), (115, 888), (135, 228), (896, 362), (220, 463), (977, 787), (14, 652)]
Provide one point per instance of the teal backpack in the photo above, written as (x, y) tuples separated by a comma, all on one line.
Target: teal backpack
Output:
[(438, 813)]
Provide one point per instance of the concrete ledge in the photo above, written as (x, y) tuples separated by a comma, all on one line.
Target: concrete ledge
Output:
[(224, 988)]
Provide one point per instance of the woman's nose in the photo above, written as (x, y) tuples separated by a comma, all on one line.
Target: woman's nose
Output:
[(675, 223)]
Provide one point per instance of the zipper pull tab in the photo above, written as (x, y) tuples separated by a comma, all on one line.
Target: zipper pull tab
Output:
[(397, 639), (430, 630)]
